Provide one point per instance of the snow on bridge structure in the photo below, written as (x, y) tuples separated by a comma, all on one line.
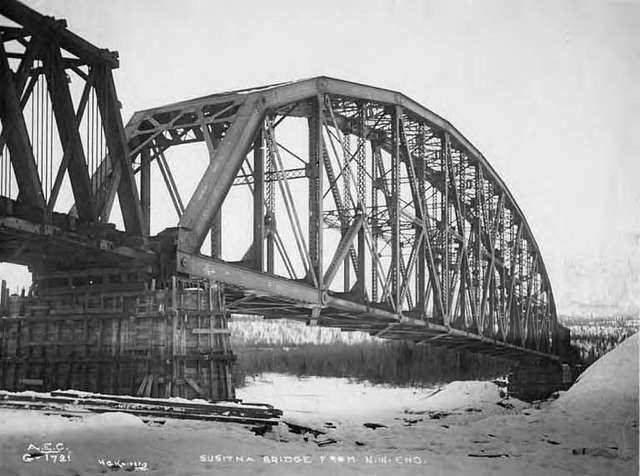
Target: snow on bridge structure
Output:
[(336, 203)]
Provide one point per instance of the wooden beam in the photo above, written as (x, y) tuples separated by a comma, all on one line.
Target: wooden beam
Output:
[(212, 331), (192, 383)]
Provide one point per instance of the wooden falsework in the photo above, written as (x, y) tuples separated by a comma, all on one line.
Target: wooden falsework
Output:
[(165, 342)]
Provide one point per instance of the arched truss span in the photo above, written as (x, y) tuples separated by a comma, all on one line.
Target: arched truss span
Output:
[(376, 205)]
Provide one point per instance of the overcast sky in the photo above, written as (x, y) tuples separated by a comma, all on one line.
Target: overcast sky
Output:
[(547, 90)]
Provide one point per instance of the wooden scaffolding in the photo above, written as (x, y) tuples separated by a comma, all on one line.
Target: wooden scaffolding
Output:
[(118, 332)]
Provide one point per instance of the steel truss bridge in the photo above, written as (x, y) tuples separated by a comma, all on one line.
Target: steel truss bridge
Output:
[(341, 204)]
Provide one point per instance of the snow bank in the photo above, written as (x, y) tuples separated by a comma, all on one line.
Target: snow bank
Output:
[(462, 395), (610, 383), (311, 398), (112, 420), (598, 415), (316, 400), (21, 422)]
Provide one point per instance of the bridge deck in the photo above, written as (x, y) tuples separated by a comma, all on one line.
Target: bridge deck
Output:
[(419, 332), (274, 297)]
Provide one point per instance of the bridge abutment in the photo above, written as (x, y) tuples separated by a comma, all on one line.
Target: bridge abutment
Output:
[(539, 379)]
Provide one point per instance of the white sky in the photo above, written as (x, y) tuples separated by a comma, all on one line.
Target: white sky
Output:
[(547, 90)]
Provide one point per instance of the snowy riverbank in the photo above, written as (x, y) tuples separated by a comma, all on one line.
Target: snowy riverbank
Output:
[(457, 429)]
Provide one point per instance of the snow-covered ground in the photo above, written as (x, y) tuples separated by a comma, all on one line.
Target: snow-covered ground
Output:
[(456, 429)]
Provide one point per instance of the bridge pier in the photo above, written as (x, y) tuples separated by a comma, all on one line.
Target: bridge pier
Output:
[(539, 379), (119, 331)]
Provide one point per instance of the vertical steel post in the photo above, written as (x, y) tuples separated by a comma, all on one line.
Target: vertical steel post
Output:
[(362, 199), (421, 281), (462, 292), (395, 206), (258, 202), (145, 189), (216, 227), (375, 154), (216, 235), (446, 285), (346, 199), (315, 176), (270, 218), (479, 282)]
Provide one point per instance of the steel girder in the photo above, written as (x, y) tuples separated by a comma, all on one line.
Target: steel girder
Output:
[(427, 227), (60, 114)]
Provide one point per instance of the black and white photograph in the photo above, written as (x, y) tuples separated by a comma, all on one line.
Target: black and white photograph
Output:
[(385, 237)]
